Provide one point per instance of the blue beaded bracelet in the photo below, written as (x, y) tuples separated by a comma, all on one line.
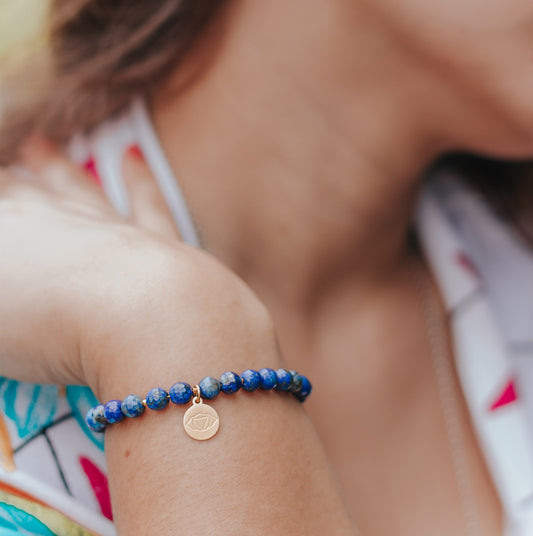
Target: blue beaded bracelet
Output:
[(200, 420)]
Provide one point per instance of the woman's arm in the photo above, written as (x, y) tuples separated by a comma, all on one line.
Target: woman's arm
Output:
[(264, 473), (87, 298)]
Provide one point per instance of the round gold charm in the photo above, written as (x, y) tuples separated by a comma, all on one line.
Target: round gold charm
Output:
[(201, 421)]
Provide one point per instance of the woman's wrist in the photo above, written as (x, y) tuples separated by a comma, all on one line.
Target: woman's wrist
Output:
[(201, 420), (177, 321), (266, 456)]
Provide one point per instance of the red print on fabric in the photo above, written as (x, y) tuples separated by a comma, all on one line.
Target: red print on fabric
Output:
[(136, 152), (507, 396), (90, 167), (98, 482), (466, 262)]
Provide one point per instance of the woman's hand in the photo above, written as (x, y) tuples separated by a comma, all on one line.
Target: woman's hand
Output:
[(124, 307), (80, 284)]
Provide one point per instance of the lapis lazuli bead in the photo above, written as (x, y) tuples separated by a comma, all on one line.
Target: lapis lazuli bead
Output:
[(113, 412), (296, 382), (269, 378), (305, 389), (230, 382), (284, 379), (250, 380), (98, 414), (306, 386), (209, 387), (180, 393), (95, 419), (132, 406), (157, 399)]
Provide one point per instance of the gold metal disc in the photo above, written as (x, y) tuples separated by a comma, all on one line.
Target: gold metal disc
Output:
[(201, 421)]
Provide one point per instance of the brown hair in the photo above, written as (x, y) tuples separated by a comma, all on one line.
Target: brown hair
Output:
[(100, 55)]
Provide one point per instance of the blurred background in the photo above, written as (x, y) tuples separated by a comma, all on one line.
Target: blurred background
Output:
[(20, 22)]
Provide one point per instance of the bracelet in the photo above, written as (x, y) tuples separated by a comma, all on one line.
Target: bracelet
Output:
[(200, 420)]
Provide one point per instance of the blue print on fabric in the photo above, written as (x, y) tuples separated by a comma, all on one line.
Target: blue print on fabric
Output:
[(17, 522), (80, 400), (29, 406)]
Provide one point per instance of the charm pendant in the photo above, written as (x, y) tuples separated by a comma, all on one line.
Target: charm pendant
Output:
[(200, 421)]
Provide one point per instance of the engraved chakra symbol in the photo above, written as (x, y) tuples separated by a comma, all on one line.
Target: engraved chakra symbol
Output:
[(201, 421)]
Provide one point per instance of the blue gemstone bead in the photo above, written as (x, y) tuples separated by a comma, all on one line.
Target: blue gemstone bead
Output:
[(250, 380), (305, 389), (95, 419), (284, 379), (269, 378), (209, 387), (98, 414), (230, 382), (113, 412), (157, 399), (180, 393), (132, 406), (296, 382)]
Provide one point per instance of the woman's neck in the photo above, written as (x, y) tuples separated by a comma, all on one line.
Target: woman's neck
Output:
[(300, 145)]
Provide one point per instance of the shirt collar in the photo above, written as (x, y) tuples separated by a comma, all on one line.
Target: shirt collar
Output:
[(485, 251)]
